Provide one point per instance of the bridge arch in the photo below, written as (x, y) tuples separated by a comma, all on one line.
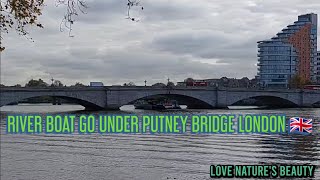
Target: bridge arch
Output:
[(316, 103), (190, 101), (266, 100), (82, 99)]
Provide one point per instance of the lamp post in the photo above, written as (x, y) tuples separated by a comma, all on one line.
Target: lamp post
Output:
[(52, 81)]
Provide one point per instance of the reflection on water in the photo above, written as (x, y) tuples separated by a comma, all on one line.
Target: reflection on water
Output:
[(147, 156)]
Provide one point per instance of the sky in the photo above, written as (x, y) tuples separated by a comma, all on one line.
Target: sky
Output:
[(173, 39)]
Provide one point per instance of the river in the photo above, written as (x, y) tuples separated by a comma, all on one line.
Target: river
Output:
[(120, 156)]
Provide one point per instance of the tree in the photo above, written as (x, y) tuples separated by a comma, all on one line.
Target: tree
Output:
[(170, 84), (129, 84), (17, 85), (159, 85), (188, 80), (78, 84), (18, 14), (57, 83), (36, 83), (298, 82)]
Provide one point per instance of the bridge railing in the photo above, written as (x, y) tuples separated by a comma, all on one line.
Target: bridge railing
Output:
[(86, 88)]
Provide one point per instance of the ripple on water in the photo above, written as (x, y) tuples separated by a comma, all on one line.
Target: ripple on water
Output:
[(163, 156)]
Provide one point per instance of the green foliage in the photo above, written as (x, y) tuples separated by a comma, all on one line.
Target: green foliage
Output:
[(36, 83), (78, 84)]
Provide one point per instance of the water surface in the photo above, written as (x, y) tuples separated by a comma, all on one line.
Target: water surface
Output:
[(124, 156)]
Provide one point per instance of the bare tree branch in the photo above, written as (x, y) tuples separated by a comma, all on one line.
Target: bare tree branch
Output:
[(17, 14)]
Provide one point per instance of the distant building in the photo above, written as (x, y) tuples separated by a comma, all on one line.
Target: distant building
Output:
[(222, 82), (318, 67), (96, 84), (292, 52)]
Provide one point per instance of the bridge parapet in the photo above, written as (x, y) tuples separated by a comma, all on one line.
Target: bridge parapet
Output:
[(90, 98), (113, 97)]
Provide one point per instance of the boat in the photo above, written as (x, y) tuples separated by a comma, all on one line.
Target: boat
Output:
[(171, 104), (142, 105), (156, 104)]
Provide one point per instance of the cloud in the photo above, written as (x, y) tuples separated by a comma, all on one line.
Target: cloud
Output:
[(206, 44), (175, 39)]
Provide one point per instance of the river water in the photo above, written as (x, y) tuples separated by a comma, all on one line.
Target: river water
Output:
[(183, 156)]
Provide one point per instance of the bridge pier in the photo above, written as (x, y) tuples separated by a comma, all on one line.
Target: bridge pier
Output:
[(306, 105), (90, 108), (221, 102), (112, 107), (222, 107)]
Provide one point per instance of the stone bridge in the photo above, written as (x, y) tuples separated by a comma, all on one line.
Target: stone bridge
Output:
[(113, 97)]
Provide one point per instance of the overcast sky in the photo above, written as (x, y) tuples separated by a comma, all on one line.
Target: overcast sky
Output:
[(174, 38)]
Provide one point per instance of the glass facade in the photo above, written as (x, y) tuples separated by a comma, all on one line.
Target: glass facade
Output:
[(318, 67), (293, 51)]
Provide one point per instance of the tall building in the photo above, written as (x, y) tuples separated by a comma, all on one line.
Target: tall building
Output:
[(318, 67), (291, 53)]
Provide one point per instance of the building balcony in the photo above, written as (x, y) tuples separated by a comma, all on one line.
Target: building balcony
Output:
[(269, 73), (284, 82)]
